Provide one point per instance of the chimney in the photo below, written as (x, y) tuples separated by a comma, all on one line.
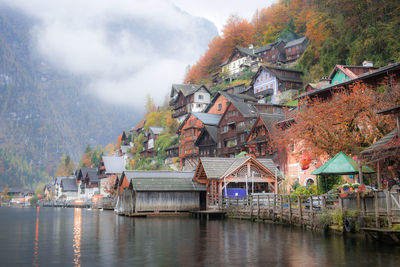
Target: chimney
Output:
[(367, 63), (251, 46)]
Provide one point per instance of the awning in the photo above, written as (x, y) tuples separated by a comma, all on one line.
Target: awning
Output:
[(341, 164)]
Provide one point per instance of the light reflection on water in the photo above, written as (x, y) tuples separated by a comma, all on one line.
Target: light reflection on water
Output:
[(36, 250), (77, 236)]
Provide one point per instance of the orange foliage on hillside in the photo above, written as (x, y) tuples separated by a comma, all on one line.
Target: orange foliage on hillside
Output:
[(264, 29)]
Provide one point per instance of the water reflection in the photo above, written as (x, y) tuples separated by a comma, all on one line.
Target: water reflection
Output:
[(77, 236), (36, 249)]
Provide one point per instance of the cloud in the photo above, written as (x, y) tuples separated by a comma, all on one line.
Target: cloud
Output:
[(219, 11), (124, 49)]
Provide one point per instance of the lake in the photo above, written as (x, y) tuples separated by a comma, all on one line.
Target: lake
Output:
[(80, 237)]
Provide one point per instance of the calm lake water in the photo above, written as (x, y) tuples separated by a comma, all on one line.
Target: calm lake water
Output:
[(79, 237)]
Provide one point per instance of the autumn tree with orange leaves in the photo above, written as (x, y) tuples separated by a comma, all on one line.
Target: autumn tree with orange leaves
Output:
[(345, 122)]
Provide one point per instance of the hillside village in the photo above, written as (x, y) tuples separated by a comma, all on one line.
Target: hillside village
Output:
[(235, 117)]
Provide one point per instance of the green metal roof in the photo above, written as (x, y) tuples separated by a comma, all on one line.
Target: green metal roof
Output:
[(341, 164)]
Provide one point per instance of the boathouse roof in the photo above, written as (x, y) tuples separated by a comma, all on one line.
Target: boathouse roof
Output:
[(114, 164)]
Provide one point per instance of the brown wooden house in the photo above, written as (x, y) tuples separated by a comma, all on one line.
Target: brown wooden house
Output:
[(259, 139), (189, 130), (272, 53), (230, 176), (207, 141), (295, 48), (234, 127), (149, 143), (186, 98)]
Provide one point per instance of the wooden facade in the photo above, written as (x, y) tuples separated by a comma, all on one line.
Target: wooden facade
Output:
[(189, 131), (207, 141), (234, 127), (158, 191), (221, 175), (295, 48), (259, 140)]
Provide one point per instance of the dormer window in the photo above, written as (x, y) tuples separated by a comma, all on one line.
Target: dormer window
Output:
[(201, 97)]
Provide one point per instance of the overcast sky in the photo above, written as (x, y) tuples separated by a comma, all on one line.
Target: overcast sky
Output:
[(126, 49), (218, 11)]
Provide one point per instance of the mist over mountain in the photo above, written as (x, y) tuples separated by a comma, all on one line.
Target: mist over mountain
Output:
[(53, 100)]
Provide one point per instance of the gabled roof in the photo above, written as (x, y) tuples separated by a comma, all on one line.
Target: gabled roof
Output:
[(295, 42), (212, 132), (113, 164), (383, 70), (247, 51), (246, 109), (187, 89), (341, 164), (157, 184), (381, 144), (159, 174), (83, 171), (270, 119), (263, 48), (156, 130), (59, 178), (216, 168), (205, 118), (280, 77), (92, 175), (69, 185)]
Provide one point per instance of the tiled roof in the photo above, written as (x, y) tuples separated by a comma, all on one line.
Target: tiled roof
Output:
[(69, 185), (114, 164), (246, 109), (93, 177), (380, 144), (295, 42), (166, 184), (159, 174), (156, 130), (367, 75), (213, 132), (270, 119), (207, 118), (216, 168), (58, 179), (187, 89)]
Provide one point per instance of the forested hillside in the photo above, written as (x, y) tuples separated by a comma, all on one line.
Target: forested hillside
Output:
[(45, 113), (340, 31), (15, 171)]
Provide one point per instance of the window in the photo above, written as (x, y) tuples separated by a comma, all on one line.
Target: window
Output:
[(198, 105), (219, 144), (297, 47), (290, 49), (225, 129), (219, 107), (241, 124), (201, 97), (273, 56), (242, 137)]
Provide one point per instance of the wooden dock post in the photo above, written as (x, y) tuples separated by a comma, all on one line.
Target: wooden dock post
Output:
[(300, 211), (290, 208), (311, 212), (258, 207), (251, 207), (376, 209), (323, 203), (358, 204), (281, 199), (274, 208), (389, 208)]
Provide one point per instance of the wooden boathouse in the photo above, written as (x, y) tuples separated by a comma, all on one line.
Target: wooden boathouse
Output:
[(158, 192), (236, 177)]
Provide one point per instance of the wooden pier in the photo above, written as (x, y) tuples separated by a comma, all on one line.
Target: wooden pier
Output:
[(208, 214)]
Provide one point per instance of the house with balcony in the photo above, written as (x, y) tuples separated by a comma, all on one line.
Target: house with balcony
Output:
[(186, 98), (276, 85), (259, 141), (188, 132), (272, 53), (242, 58), (234, 127)]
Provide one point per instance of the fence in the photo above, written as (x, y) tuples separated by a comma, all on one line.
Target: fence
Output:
[(304, 210)]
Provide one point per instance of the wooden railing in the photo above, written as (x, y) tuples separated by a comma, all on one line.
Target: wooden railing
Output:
[(381, 205)]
